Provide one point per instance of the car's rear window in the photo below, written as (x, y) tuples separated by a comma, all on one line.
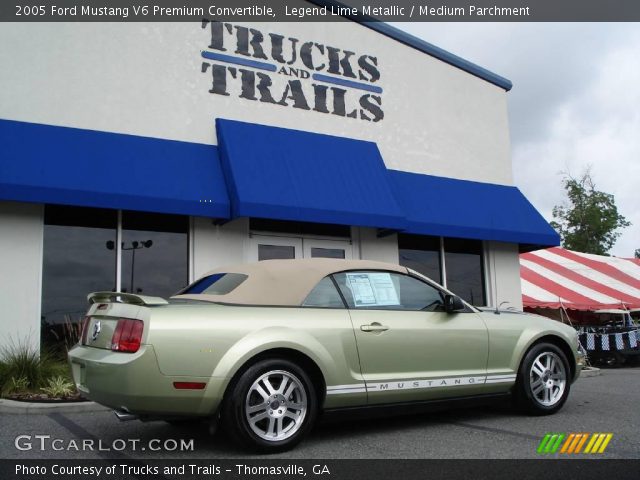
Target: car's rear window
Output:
[(215, 284)]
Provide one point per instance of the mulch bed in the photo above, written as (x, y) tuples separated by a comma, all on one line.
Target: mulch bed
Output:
[(44, 398)]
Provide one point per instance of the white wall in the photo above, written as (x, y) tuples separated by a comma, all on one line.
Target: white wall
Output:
[(146, 79), (218, 245), (384, 249), (503, 270), (21, 233)]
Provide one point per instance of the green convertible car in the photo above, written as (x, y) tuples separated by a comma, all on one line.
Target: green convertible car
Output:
[(266, 347)]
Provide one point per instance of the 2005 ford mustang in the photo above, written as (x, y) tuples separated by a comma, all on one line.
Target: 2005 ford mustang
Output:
[(266, 347)]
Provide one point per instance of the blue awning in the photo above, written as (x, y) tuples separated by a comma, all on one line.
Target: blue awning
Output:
[(257, 171), (286, 174), (464, 209), (70, 166)]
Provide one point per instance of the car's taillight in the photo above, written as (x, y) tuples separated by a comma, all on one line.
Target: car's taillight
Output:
[(127, 335), (85, 327)]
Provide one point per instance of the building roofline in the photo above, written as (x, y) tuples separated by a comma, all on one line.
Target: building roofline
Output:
[(425, 47)]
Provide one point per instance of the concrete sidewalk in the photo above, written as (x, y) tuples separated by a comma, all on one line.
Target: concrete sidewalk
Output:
[(590, 372)]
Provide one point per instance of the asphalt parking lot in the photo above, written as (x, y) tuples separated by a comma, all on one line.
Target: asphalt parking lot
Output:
[(606, 403)]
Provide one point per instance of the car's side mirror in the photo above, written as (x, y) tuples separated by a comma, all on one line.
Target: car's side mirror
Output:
[(453, 304)]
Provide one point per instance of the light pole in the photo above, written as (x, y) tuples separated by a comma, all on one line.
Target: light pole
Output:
[(135, 245)]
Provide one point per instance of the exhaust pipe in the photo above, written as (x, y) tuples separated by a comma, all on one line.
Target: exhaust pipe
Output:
[(124, 416)]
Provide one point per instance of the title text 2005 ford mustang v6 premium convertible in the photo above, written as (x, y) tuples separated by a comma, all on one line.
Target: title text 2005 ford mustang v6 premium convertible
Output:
[(267, 346)]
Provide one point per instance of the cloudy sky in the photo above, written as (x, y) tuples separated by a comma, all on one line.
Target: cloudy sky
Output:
[(575, 102)]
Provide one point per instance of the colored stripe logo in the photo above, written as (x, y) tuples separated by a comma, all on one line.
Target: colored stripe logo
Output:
[(245, 62), (573, 443)]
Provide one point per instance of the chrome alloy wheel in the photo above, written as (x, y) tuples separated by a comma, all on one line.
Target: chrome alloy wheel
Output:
[(276, 405), (548, 378)]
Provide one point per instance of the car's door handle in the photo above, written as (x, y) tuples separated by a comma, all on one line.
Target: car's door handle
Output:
[(374, 327)]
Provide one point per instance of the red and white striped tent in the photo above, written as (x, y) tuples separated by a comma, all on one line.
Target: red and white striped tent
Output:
[(557, 278)]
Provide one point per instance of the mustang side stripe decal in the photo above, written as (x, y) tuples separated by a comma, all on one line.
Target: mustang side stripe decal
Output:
[(423, 383), (350, 390), (353, 388), (346, 387)]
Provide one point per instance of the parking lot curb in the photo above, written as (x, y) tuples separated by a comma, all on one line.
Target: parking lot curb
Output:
[(590, 372), (12, 407)]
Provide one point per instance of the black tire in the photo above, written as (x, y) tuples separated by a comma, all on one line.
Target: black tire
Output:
[(286, 419), (543, 397)]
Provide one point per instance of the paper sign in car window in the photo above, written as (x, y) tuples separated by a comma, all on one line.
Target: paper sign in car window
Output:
[(384, 289), (372, 289)]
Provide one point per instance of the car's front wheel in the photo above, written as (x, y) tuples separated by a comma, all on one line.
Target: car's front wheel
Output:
[(543, 380), (271, 407)]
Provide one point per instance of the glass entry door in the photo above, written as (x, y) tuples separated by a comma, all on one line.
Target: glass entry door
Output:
[(267, 247)]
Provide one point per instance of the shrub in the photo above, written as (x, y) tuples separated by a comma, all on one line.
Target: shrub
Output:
[(59, 338), (57, 369), (15, 385), (72, 332), (20, 360), (4, 376), (58, 387)]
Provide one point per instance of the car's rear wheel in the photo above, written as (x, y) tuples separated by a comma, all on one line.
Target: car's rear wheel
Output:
[(271, 407), (543, 380)]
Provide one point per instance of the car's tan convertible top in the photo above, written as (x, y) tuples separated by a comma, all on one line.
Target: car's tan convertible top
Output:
[(284, 282)]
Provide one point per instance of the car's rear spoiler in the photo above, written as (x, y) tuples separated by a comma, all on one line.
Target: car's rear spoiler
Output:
[(119, 297)]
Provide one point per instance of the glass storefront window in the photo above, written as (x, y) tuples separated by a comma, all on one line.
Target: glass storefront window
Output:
[(465, 269), (155, 253), (80, 256), (75, 263), (462, 260), (422, 254)]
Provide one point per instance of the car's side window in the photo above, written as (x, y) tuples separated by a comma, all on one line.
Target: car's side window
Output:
[(388, 290), (324, 295)]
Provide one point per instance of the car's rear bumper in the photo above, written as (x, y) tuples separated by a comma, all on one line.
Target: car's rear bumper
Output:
[(134, 383)]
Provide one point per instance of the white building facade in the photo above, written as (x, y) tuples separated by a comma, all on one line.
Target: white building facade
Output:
[(135, 157)]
